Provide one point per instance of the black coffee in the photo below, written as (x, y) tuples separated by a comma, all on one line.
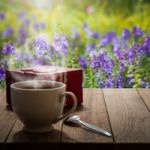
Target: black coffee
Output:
[(44, 87)]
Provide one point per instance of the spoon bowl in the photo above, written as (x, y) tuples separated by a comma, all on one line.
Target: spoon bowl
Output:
[(72, 121), (74, 118)]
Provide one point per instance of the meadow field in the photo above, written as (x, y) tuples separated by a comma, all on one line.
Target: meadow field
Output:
[(109, 40)]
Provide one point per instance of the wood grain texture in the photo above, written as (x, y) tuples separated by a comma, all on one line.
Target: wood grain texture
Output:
[(145, 94), (129, 117), (93, 111), (2, 99), (17, 135), (7, 117), (128, 114)]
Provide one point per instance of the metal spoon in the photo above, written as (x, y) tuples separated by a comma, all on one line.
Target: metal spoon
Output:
[(91, 127)]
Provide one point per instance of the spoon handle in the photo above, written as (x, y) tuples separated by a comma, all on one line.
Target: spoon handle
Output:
[(92, 127)]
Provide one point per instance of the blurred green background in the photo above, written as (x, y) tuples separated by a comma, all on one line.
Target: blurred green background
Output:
[(102, 16)]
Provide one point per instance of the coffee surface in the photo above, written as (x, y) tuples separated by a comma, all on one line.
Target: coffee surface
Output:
[(31, 87)]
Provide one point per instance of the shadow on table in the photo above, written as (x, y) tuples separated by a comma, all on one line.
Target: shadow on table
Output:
[(9, 108), (79, 108), (51, 137), (25, 137), (67, 139)]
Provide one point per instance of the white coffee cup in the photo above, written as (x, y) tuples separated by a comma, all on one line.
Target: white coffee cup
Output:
[(39, 103)]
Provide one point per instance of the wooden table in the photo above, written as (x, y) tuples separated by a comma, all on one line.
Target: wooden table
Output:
[(124, 112)]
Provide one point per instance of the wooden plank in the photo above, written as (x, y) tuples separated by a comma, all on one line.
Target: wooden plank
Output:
[(7, 118), (145, 95), (17, 135), (129, 117), (3, 103), (2, 99), (93, 111)]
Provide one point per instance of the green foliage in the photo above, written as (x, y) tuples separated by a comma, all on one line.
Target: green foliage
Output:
[(101, 15), (144, 69), (2, 84), (90, 80)]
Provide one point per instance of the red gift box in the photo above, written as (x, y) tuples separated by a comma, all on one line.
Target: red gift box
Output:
[(72, 77)]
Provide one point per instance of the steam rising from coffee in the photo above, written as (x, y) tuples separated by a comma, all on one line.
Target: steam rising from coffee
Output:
[(39, 73), (40, 52), (38, 84)]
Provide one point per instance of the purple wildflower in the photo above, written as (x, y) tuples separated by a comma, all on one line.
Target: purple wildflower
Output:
[(8, 49), (108, 66), (96, 35), (25, 57), (23, 33), (2, 16), (73, 45), (130, 80), (41, 45), (147, 40), (52, 48), (104, 42), (145, 47), (100, 83), (89, 32), (141, 50), (102, 60), (109, 82), (90, 48), (110, 35), (83, 62), (95, 63), (116, 44), (4, 63), (138, 32), (26, 21), (60, 43), (131, 54), (85, 26), (21, 14), (75, 33), (143, 83), (120, 81), (122, 66), (2, 73), (93, 53), (126, 33), (40, 62), (107, 38), (39, 25), (37, 62), (119, 54), (8, 32), (119, 43)]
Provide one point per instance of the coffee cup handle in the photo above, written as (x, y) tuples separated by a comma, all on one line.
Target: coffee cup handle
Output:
[(72, 109)]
